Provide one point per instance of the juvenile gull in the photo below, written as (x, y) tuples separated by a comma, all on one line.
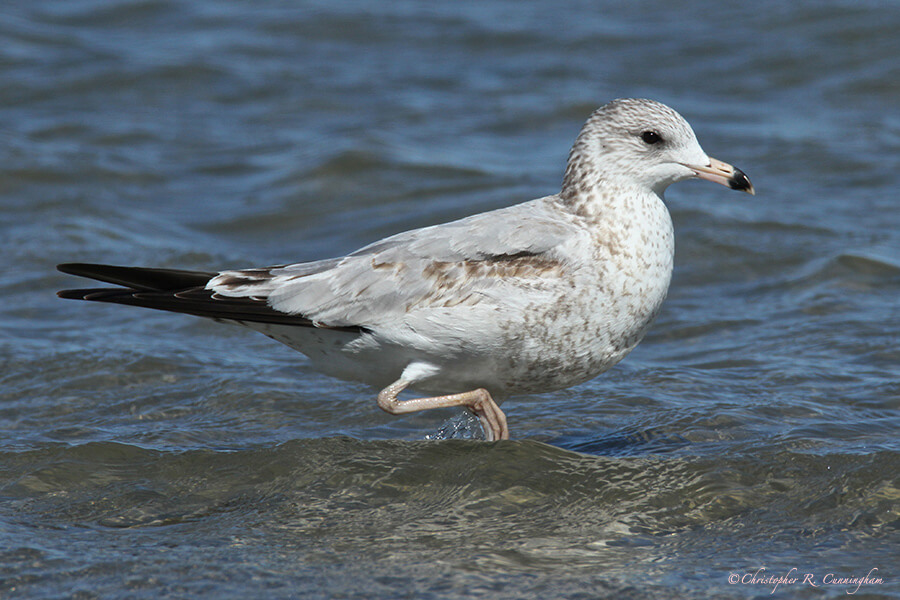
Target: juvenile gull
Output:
[(525, 299)]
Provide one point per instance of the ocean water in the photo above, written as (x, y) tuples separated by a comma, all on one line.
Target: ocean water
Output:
[(752, 436)]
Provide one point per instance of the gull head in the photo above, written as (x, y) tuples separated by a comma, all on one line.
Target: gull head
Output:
[(635, 142)]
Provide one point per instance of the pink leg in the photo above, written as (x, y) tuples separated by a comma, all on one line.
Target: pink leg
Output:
[(478, 401)]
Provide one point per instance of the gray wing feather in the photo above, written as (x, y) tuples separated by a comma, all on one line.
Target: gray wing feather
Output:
[(387, 277)]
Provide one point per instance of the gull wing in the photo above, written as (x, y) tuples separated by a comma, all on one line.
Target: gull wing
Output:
[(444, 265)]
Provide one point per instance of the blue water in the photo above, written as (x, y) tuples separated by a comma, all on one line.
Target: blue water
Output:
[(147, 455)]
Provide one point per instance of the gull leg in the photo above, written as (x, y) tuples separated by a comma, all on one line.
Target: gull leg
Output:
[(478, 401)]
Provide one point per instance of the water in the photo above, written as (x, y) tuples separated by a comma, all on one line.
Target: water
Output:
[(147, 455)]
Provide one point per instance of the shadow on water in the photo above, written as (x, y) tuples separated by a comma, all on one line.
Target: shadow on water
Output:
[(622, 443)]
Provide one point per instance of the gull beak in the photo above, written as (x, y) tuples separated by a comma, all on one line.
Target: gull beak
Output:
[(722, 172)]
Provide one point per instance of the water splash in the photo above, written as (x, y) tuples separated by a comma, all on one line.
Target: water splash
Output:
[(464, 426)]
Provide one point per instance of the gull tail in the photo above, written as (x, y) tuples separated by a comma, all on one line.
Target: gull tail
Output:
[(176, 291)]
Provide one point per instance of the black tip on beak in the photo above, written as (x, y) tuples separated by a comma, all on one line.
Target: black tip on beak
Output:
[(724, 174), (739, 181)]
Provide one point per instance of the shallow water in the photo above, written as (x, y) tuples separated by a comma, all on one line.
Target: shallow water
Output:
[(146, 455)]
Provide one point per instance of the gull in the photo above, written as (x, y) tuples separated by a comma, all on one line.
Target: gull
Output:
[(527, 299)]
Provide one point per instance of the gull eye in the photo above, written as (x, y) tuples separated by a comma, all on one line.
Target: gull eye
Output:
[(651, 137)]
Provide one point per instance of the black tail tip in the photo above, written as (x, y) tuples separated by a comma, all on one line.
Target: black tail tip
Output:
[(76, 268), (70, 294)]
